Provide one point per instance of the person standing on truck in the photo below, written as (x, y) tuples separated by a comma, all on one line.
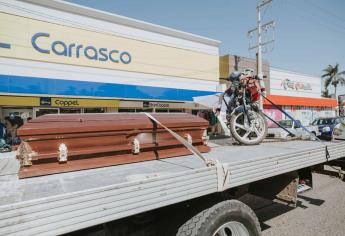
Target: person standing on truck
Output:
[(214, 123)]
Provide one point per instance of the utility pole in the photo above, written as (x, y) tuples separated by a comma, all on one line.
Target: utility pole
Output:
[(259, 28), (341, 99)]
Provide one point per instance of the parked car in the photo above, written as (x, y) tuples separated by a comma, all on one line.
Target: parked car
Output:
[(326, 125), (294, 127), (339, 131)]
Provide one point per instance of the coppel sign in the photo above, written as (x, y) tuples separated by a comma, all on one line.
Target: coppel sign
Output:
[(65, 103), (76, 50)]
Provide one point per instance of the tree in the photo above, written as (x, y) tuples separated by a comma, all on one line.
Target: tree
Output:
[(333, 77)]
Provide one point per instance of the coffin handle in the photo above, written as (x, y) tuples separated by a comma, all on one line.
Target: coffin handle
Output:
[(205, 138), (135, 146), (25, 154), (63, 153), (189, 138)]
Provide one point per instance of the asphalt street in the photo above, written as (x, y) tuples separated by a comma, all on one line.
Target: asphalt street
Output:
[(320, 211)]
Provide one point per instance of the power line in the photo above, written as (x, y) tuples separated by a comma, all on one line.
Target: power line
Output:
[(317, 19), (324, 20), (325, 11)]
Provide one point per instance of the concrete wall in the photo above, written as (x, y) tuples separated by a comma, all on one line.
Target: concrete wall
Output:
[(230, 63)]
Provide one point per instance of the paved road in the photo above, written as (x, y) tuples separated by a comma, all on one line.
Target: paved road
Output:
[(320, 212)]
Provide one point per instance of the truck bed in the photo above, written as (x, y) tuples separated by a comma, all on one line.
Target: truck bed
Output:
[(66, 202)]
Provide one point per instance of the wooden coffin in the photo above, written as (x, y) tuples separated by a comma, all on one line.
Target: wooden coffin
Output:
[(62, 143)]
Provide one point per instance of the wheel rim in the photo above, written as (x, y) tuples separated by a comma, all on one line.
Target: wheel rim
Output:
[(250, 132), (232, 228)]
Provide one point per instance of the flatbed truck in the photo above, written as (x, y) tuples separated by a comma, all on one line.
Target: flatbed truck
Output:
[(143, 198)]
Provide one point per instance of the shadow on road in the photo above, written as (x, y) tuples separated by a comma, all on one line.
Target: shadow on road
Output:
[(268, 209), (312, 201), (271, 211)]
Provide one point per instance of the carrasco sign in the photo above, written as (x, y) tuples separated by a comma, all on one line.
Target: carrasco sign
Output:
[(60, 48)]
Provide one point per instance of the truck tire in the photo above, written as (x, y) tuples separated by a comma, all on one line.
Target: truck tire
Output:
[(232, 217)]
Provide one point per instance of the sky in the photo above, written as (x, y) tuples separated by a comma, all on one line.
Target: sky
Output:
[(309, 34)]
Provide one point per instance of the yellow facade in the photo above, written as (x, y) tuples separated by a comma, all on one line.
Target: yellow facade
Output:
[(57, 102), (81, 102), (224, 66), (19, 101), (145, 57)]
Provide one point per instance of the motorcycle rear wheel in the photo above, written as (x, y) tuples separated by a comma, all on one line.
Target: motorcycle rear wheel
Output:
[(248, 134)]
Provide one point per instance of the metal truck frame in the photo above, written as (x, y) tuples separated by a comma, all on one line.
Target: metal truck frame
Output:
[(62, 203)]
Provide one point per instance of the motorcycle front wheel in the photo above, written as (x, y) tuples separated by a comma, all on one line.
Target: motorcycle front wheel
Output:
[(248, 132)]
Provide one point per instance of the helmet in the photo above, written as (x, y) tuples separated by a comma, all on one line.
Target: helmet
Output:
[(248, 72), (234, 76)]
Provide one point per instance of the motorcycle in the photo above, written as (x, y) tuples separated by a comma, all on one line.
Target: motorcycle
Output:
[(245, 120)]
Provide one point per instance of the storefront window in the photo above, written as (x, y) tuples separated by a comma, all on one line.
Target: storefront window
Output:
[(127, 110), (144, 110), (94, 110), (162, 110), (195, 112), (44, 111), (23, 113), (70, 110), (176, 110)]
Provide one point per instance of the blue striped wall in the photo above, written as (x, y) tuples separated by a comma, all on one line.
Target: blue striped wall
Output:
[(45, 86)]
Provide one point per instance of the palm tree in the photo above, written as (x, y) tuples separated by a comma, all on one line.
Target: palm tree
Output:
[(334, 77)]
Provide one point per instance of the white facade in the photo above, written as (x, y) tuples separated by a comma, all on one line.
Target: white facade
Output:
[(69, 14), (104, 24), (287, 83), (164, 67), (290, 84)]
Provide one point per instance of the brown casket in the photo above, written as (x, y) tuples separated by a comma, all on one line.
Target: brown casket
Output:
[(62, 143)]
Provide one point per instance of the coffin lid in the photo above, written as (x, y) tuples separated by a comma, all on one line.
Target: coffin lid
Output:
[(76, 123)]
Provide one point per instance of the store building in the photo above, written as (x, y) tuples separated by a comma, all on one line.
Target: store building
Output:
[(58, 57), (299, 95), (296, 93)]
